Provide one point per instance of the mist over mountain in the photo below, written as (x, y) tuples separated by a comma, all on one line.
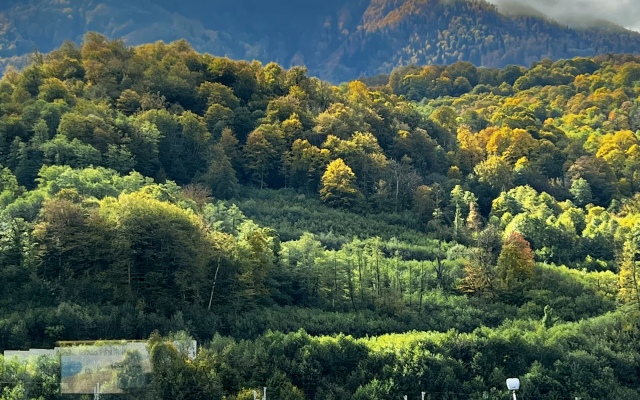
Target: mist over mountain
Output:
[(336, 40), (578, 13)]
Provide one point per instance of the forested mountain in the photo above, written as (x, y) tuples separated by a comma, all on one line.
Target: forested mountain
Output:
[(335, 40), (437, 229)]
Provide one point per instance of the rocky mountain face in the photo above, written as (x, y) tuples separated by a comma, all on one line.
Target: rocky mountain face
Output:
[(336, 40)]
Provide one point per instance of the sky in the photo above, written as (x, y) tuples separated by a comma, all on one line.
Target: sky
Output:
[(580, 12)]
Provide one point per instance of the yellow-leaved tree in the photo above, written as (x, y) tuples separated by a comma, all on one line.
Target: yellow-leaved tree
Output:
[(338, 185), (515, 263)]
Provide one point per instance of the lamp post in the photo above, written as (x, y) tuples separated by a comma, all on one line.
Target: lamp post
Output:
[(513, 384), (264, 394)]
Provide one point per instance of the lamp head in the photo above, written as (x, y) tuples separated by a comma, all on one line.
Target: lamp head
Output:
[(513, 383)]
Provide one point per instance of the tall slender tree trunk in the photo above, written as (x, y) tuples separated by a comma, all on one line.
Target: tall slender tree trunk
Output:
[(378, 272), (398, 278), (439, 266), (397, 191), (215, 279), (350, 284), (410, 285), (335, 281), (636, 285), (421, 286), (360, 277)]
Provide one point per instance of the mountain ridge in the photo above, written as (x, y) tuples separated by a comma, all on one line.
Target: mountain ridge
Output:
[(337, 41)]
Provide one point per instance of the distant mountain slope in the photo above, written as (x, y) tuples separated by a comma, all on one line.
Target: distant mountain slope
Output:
[(436, 32), (336, 40)]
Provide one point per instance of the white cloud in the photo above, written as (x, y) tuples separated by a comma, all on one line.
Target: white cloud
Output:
[(582, 13)]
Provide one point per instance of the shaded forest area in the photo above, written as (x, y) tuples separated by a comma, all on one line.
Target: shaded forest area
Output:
[(436, 229)]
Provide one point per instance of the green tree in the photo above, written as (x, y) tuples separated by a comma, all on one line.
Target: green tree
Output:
[(600, 177), (9, 188), (92, 130), (65, 62), (254, 251), (216, 93), (129, 102), (74, 153), (53, 89), (581, 191), (159, 245), (40, 132), (145, 140), (72, 243), (217, 118), (220, 176), (629, 275), (338, 120), (261, 156), (305, 164), (119, 158), (176, 378)]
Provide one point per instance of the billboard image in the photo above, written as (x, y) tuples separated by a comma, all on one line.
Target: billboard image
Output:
[(116, 368), (108, 367)]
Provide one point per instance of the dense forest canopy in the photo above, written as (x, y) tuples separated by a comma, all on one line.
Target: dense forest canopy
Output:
[(336, 40), (437, 229)]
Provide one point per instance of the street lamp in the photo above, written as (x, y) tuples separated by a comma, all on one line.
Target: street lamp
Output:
[(264, 396), (513, 384)]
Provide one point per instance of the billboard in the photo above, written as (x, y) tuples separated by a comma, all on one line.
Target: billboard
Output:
[(115, 368), (28, 354)]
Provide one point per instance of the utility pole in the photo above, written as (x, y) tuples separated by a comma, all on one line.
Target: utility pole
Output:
[(264, 395), (96, 393)]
